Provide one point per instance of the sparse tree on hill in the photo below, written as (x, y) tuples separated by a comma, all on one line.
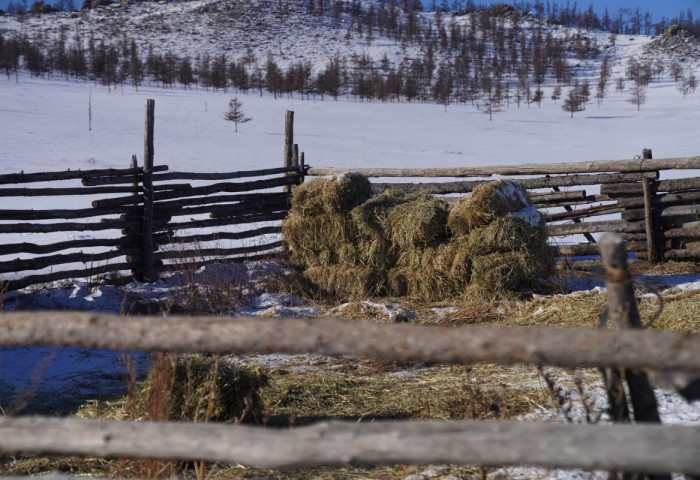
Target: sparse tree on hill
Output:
[(688, 84), (620, 84), (574, 100), (235, 113), (556, 93), (638, 95)]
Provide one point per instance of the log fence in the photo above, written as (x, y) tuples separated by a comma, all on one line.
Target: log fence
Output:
[(145, 215), (657, 216), (644, 446)]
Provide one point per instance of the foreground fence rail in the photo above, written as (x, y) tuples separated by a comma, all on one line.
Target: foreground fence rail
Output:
[(653, 449)]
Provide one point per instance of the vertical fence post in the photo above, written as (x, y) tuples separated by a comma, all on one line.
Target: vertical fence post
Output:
[(148, 263), (623, 313), (302, 168), (652, 253), (288, 143)]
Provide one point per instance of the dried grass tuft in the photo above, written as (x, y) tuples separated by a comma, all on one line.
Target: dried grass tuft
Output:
[(346, 282), (420, 222)]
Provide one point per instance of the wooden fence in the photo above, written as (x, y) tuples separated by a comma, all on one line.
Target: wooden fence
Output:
[(645, 447), (658, 217), (141, 213)]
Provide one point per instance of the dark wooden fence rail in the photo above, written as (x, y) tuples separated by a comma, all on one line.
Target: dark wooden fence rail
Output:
[(148, 213), (658, 217)]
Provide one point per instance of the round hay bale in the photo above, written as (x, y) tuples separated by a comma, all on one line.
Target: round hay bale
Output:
[(346, 282), (418, 222), (331, 194), (486, 203), (371, 217)]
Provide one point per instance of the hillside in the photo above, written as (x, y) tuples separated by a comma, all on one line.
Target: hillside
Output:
[(371, 50)]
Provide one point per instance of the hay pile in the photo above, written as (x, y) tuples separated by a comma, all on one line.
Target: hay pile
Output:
[(350, 245)]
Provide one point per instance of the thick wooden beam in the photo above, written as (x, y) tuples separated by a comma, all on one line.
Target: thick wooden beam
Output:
[(570, 347), (619, 226), (649, 448), (597, 166)]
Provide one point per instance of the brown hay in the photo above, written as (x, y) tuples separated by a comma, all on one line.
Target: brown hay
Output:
[(331, 194), (343, 282), (499, 272), (418, 222), (506, 234), (316, 240), (487, 202)]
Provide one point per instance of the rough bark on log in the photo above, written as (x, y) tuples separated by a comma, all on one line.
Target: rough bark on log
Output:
[(66, 275), (202, 253), (564, 347), (226, 209), (213, 237), (19, 265), (667, 212), (223, 176), (651, 448), (592, 248), (625, 166), (556, 197), (529, 183), (50, 192), (183, 266), (25, 247), (60, 227), (661, 200), (228, 187), (583, 213), (619, 226), (68, 214), (690, 232), (65, 175), (671, 186)]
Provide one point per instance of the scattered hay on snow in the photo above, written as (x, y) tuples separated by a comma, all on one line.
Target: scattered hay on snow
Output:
[(346, 282)]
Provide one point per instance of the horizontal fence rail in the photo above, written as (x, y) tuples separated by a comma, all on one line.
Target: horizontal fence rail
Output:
[(571, 347), (648, 448)]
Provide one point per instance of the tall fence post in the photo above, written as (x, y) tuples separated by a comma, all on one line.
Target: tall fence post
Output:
[(148, 197), (652, 251), (623, 313), (288, 143)]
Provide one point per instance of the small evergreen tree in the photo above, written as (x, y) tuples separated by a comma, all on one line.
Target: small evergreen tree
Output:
[(235, 113)]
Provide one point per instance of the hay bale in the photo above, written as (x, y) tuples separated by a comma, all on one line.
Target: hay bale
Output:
[(500, 272), (316, 240), (461, 267), (506, 234), (331, 194), (487, 202), (347, 282), (419, 222)]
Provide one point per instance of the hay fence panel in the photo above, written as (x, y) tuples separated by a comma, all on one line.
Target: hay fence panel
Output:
[(645, 447), (658, 217), (151, 218)]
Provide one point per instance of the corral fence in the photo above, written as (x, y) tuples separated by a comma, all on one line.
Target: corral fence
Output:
[(658, 217), (645, 446), (133, 219)]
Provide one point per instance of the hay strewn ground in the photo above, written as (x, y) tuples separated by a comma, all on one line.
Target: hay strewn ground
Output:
[(351, 246)]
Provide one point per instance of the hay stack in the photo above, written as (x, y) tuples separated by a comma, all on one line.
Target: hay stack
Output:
[(353, 246)]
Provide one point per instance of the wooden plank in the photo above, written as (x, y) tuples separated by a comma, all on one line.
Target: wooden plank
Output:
[(60, 227), (63, 175), (227, 187), (592, 249), (666, 212), (19, 265), (571, 214), (288, 144), (192, 265), (218, 222), (223, 176), (563, 347), (664, 199), (202, 253), (530, 183), (61, 214), (650, 448), (598, 166), (66, 275), (672, 186), (147, 250), (619, 226), (213, 237), (556, 197), (226, 209), (26, 247), (51, 192)]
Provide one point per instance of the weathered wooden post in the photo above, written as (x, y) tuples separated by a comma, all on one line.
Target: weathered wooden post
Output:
[(652, 252), (148, 197), (623, 313), (288, 143)]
